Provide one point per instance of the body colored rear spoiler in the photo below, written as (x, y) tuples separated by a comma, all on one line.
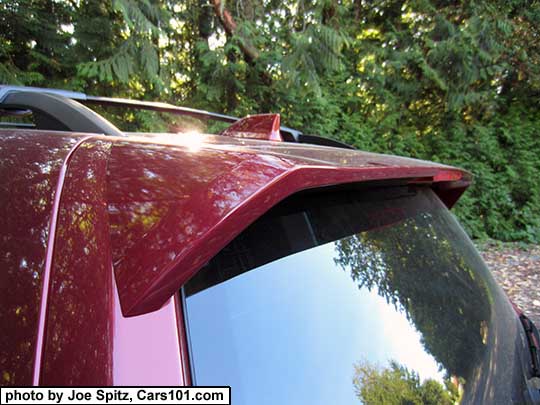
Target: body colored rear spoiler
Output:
[(172, 208)]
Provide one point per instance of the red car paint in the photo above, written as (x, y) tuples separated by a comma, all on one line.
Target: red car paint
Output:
[(154, 208), (85, 327), (81, 337), (29, 169), (260, 126), (197, 199)]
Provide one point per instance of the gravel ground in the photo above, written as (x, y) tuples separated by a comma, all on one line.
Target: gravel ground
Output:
[(517, 269)]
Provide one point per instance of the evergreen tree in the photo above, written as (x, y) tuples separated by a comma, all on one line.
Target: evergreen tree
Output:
[(455, 82)]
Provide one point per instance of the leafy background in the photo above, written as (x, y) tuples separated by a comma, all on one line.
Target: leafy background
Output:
[(450, 81)]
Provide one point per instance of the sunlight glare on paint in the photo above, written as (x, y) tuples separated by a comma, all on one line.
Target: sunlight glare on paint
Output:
[(192, 140)]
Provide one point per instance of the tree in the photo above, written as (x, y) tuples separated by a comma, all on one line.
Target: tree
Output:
[(456, 82), (397, 385)]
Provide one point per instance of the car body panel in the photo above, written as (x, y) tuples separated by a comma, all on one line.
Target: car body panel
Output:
[(87, 340), (30, 165), (260, 126), (154, 208), (175, 201)]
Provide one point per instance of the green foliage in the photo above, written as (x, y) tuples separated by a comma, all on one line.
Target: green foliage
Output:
[(33, 47), (455, 82), (136, 56), (314, 53), (396, 385)]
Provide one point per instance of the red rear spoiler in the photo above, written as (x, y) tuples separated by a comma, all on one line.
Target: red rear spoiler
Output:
[(171, 209)]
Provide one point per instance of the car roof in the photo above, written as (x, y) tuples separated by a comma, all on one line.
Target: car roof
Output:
[(221, 183), (201, 191)]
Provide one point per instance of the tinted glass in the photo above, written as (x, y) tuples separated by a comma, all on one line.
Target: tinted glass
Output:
[(133, 119), (365, 296)]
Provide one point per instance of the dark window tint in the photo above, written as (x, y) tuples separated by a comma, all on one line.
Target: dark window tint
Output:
[(131, 119)]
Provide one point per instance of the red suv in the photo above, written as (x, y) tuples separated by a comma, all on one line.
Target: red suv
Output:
[(291, 267)]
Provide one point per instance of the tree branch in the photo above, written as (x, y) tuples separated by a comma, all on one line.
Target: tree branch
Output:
[(227, 21)]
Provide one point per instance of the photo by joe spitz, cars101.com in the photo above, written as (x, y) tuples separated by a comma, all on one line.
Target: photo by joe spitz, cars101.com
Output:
[(290, 267)]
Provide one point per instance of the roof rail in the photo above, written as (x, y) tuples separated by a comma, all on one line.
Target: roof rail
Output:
[(291, 134), (288, 134), (7, 89), (53, 111)]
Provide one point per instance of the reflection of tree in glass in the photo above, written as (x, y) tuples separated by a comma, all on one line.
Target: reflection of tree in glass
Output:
[(415, 266), (398, 385)]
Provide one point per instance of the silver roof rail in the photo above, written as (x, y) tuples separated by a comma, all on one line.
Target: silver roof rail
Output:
[(148, 105), (6, 89)]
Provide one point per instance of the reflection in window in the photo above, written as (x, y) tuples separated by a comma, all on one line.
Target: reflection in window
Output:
[(329, 297)]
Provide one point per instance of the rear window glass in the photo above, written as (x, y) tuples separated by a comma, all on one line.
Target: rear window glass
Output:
[(347, 298)]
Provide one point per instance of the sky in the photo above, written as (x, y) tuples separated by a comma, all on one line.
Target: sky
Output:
[(291, 331)]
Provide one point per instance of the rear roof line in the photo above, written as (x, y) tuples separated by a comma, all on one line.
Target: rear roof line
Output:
[(288, 134), (197, 220), (5, 90)]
